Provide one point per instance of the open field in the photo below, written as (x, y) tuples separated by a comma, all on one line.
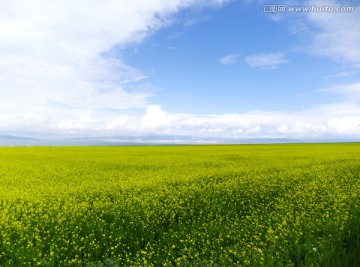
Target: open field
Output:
[(249, 205)]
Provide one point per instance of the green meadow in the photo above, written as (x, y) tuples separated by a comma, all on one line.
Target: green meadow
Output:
[(235, 205)]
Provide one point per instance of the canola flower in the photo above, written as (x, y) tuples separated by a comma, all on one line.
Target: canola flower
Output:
[(253, 205)]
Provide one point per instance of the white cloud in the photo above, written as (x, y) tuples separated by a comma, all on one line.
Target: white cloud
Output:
[(352, 88), (55, 62), (350, 92), (339, 120), (342, 74), (334, 34), (155, 118), (331, 34), (230, 59), (265, 61)]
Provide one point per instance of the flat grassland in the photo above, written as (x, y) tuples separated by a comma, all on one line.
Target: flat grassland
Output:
[(243, 205)]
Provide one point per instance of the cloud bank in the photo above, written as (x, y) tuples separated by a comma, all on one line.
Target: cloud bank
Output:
[(339, 120)]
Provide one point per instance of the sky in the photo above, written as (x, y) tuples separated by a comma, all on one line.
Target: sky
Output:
[(191, 68)]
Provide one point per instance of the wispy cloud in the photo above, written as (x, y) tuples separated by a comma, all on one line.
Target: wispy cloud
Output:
[(342, 74), (334, 34), (349, 91), (266, 61), (331, 34), (230, 59)]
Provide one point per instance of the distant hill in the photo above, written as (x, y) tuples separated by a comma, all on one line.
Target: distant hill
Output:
[(12, 137), (173, 139), (11, 140)]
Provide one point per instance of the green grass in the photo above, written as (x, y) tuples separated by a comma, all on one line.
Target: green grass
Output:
[(246, 205)]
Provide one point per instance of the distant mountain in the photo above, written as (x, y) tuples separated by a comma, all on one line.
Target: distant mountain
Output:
[(10, 140), (189, 140), (177, 139), (12, 137)]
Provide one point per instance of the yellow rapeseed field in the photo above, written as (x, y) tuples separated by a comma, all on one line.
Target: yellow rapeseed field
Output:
[(244, 205)]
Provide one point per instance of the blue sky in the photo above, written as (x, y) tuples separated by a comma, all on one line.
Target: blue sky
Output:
[(183, 62), (206, 69)]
